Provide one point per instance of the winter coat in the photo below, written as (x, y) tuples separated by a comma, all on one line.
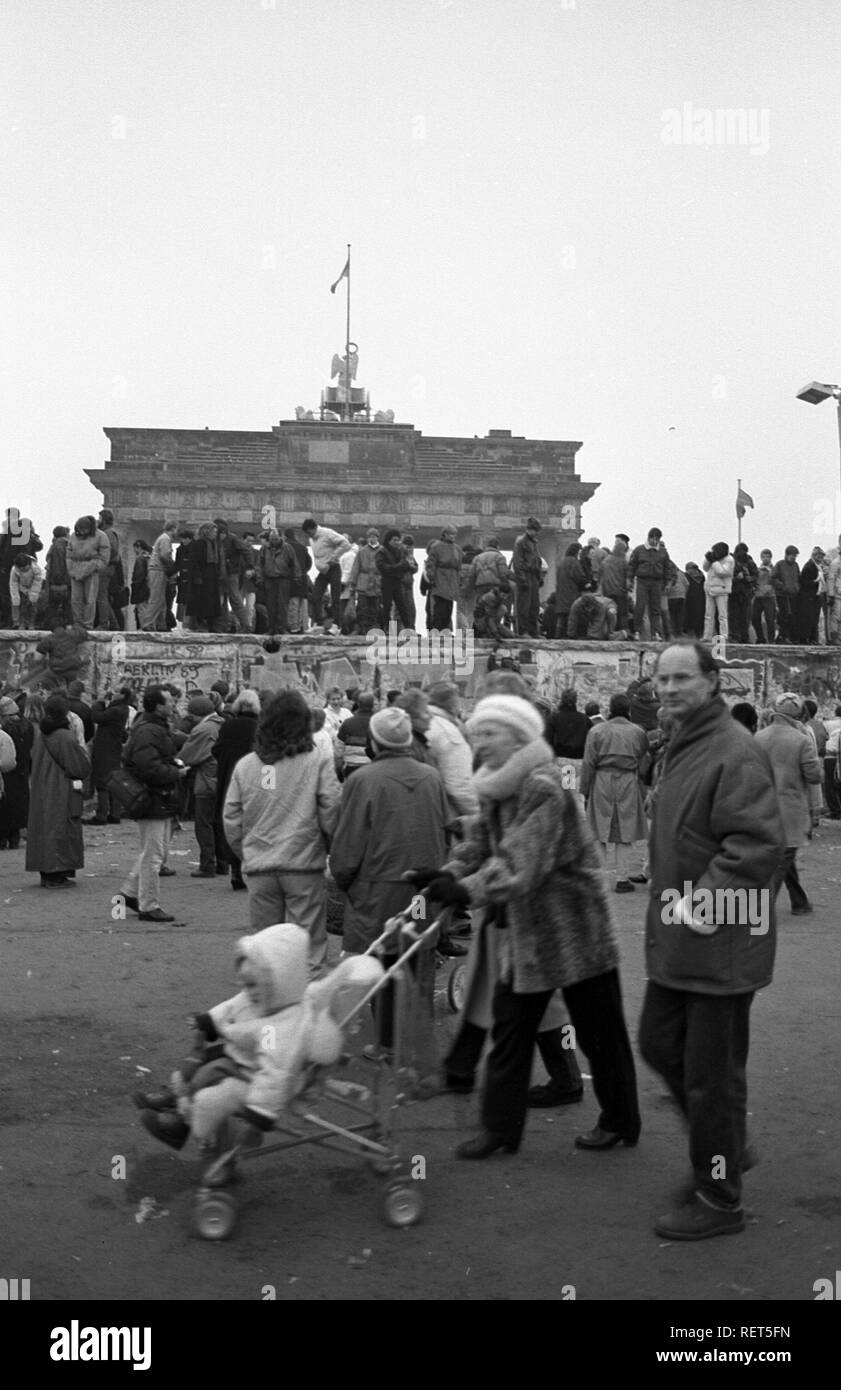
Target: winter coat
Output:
[(744, 574), (236, 738), (567, 731), (785, 576), (615, 761), (277, 561), (56, 562), (715, 825), (140, 580), (197, 751), (453, 757), (14, 802), (490, 570), (644, 707), (293, 1026), (570, 579), (107, 751), (391, 560), (795, 767), (327, 547), (366, 576), (88, 555), (61, 649), (719, 579), (526, 560), (392, 819), (203, 599), (443, 569), (284, 821), (25, 583), (646, 562), (530, 857), (150, 755), (54, 839), (695, 605), (614, 576)]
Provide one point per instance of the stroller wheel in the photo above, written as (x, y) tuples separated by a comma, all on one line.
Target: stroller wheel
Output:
[(214, 1215), (455, 988), (402, 1204)]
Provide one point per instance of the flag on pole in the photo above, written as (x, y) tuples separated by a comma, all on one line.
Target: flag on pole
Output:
[(743, 500), (344, 276)]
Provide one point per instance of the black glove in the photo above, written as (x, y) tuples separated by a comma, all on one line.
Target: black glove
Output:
[(420, 877), (447, 890)]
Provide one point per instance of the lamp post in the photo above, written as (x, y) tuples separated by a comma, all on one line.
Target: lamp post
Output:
[(817, 391)]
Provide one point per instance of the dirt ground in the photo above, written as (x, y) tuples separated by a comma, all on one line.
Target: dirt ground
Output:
[(93, 1008)]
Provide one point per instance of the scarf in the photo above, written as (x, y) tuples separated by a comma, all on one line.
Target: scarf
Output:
[(504, 783)]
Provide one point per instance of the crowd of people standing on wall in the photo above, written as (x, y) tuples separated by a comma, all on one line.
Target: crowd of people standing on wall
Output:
[(294, 580)]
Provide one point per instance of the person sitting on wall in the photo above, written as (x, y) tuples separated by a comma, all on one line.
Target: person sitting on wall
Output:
[(491, 614), (593, 617)]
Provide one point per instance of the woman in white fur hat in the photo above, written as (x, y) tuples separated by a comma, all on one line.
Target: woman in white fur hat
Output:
[(531, 861)]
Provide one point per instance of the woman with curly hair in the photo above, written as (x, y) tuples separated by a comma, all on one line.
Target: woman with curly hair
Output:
[(279, 816)]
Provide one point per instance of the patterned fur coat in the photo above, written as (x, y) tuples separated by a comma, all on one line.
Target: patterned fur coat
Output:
[(530, 852)]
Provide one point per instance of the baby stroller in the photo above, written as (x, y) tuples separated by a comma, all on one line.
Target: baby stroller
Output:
[(337, 1113)]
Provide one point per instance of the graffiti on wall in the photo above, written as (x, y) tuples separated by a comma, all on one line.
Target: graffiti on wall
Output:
[(192, 663)]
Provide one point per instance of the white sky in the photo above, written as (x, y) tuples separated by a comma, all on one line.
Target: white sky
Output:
[(182, 177)]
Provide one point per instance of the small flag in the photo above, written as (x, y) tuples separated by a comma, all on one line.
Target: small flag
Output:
[(743, 499), (344, 276)]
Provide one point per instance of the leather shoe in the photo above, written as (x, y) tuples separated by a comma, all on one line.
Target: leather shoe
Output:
[(165, 872), (603, 1139), (486, 1144), (132, 903), (699, 1220), (624, 886), (552, 1094), (156, 915), (168, 1126), (638, 878)]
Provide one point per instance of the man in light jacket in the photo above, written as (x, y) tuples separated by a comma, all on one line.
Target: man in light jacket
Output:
[(197, 752), (797, 776), (716, 842), (327, 549)]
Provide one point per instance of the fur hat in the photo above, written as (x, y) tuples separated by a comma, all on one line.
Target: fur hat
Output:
[(789, 703), (201, 705), (512, 712), (392, 728)]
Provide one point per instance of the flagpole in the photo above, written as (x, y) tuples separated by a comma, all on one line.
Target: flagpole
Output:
[(738, 513), (348, 412)]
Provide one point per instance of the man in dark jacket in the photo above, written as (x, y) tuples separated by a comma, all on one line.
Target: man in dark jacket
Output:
[(649, 567), (236, 561), (528, 572), (785, 577), (150, 757), (741, 596), (716, 841), (567, 727)]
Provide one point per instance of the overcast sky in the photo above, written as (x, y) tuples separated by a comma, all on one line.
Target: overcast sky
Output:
[(537, 244)]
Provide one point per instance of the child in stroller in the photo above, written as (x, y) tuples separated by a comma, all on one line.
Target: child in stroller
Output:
[(252, 1051)]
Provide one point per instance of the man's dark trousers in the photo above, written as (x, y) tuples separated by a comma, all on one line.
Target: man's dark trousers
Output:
[(528, 605), (332, 576), (699, 1044), (649, 596)]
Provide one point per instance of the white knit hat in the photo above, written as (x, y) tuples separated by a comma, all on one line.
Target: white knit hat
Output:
[(512, 712), (391, 728)]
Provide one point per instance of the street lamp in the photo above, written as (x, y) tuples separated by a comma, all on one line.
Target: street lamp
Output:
[(817, 391)]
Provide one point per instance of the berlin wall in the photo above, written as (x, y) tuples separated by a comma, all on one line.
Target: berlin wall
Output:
[(192, 662)]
